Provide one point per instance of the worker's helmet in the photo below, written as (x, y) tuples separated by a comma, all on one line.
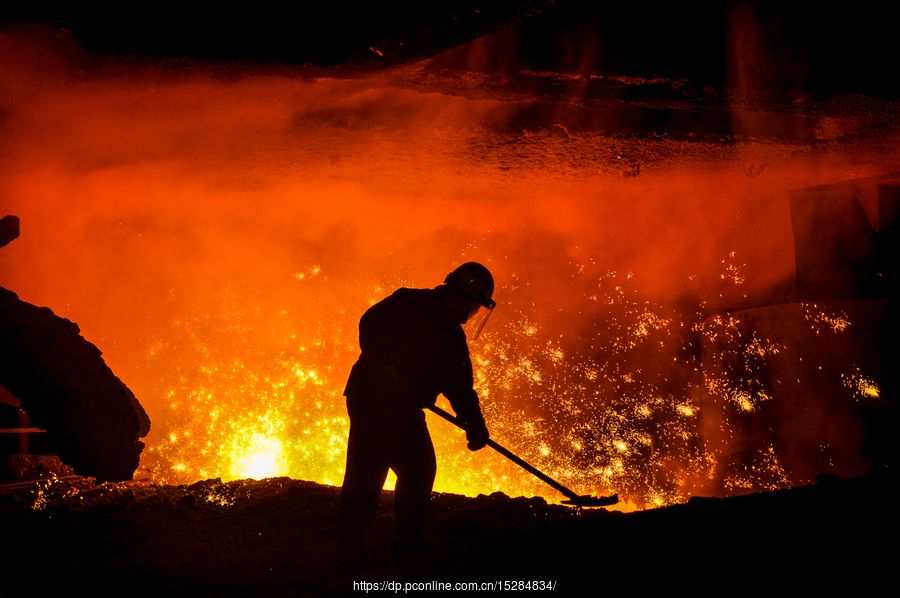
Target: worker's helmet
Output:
[(476, 282)]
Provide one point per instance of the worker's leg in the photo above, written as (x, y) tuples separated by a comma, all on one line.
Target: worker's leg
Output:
[(414, 464), (367, 467)]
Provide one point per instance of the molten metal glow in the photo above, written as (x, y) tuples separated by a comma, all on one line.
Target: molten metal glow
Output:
[(259, 456)]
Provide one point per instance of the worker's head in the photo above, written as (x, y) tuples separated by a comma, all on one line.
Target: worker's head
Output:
[(474, 285)]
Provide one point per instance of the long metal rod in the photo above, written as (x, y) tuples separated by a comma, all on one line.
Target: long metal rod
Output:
[(511, 456)]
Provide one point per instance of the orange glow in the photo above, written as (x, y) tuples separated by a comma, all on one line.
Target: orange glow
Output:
[(218, 239)]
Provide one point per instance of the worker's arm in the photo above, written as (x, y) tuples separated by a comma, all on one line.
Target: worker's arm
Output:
[(462, 396), (469, 412)]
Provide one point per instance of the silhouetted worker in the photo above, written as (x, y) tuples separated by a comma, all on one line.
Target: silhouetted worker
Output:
[(413, 349)]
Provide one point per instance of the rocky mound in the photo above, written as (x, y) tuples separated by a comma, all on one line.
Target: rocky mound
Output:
[(94, 422)]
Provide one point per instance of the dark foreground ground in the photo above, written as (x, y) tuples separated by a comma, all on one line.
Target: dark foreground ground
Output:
[(274, 537)]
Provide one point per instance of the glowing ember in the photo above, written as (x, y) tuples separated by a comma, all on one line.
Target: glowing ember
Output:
[(763, 472), (861, 386), (686, 410), (836, 322), (733, 273)]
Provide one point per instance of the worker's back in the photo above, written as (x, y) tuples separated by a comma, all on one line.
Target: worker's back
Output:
[(411, 352)]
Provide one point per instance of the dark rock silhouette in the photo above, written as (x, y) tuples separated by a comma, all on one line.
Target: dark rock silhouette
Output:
[(9, 229), (93, 421)]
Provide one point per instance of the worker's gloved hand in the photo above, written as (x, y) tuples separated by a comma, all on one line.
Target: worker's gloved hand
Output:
[(477, 435)]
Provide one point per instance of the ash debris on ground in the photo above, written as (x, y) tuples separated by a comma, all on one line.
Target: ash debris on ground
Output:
[(21, 469), (275, 537), (226, 538)]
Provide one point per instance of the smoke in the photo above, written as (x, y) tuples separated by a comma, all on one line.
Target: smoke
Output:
[(218, 238)]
